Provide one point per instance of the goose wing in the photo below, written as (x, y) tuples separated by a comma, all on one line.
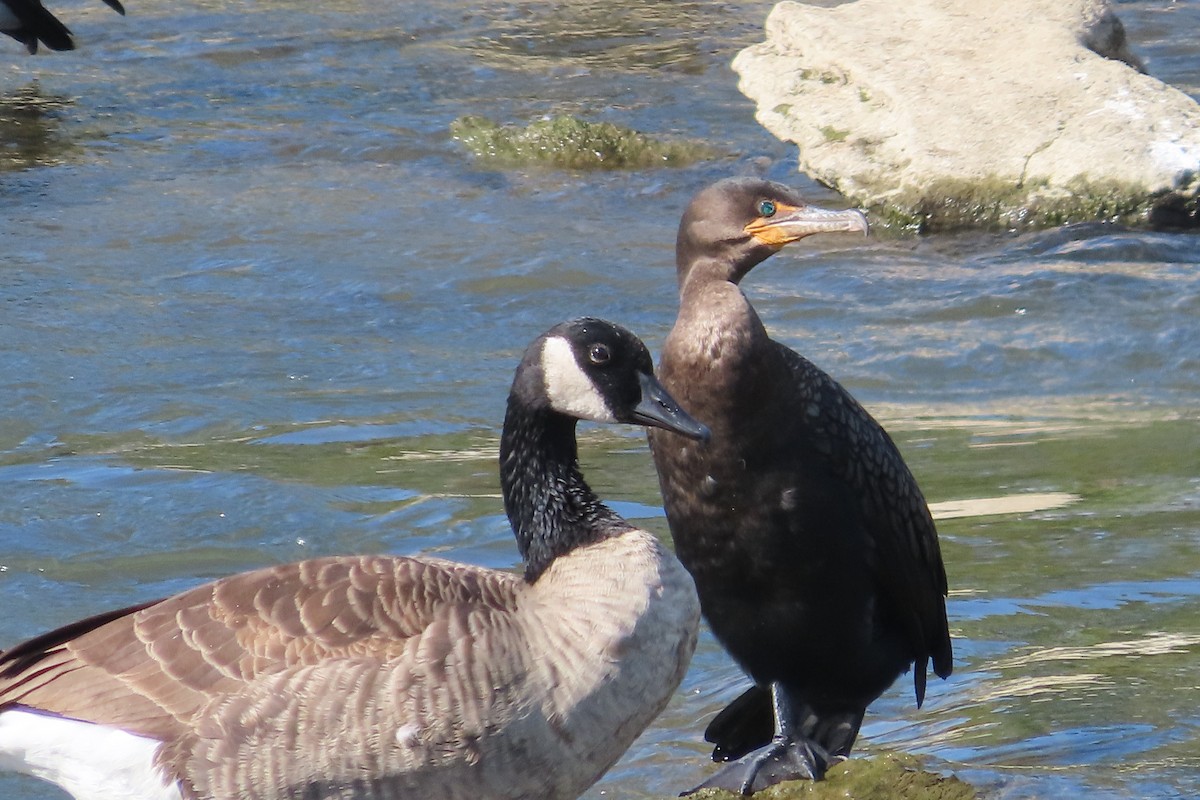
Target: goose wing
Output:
[(150, 669)]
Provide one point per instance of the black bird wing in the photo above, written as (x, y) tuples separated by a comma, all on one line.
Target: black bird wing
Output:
[(907, 560), (37, 24)]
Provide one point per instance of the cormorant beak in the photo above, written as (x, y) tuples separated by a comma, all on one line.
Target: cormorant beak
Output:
[(659, 409), (790, 223)]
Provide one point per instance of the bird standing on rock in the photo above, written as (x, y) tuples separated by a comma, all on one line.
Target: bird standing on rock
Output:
[(813, 550)]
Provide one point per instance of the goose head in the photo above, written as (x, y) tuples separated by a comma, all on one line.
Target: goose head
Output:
[(594, 370), (583, 369)]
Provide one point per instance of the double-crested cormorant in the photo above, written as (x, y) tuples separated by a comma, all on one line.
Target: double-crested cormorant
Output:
[(380, 677), (813, 550), (29, 22)]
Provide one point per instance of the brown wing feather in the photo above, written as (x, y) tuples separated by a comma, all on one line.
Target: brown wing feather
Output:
[(17, 659), (150, 668)]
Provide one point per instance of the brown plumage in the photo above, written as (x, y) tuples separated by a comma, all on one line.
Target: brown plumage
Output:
[(379, 677), (814, 554)]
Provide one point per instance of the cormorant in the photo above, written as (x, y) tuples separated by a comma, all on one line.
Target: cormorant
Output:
[(813, 550)]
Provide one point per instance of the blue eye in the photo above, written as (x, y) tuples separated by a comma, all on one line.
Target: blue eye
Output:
[(766, 208)]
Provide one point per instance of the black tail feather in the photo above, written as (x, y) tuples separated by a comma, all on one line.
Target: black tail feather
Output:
[(744, 725)]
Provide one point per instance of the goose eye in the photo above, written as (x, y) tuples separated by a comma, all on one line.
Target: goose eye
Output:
[(599, 354), (766, 208)]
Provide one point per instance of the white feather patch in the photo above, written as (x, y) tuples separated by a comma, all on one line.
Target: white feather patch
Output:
[(90, 762), (568, 388), (408, 734)]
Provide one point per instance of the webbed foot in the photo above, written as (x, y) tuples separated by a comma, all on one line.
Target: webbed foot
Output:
[(784, 759)]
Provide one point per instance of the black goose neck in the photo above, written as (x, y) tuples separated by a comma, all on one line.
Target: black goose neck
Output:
[(551, 508)]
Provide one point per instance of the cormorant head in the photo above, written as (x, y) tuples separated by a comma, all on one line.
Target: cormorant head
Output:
[(734, 224)]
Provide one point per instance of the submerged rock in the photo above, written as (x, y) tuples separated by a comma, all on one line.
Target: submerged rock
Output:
[(962, 113), (884, 777), (570, 143)]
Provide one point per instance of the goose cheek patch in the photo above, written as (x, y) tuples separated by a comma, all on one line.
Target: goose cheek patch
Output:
[(569, 389)]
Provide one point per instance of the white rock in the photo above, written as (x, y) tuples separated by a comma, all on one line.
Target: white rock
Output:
[(897, 104)]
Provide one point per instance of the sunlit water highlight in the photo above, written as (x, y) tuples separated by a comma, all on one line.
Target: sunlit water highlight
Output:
[(257, 306)]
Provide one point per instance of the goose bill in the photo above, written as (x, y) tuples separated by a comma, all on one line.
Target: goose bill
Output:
[(659, 409)]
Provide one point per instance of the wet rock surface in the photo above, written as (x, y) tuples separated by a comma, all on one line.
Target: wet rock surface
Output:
[(884, 777), (945, 114)]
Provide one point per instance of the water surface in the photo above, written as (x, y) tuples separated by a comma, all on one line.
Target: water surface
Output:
[(258, 306)]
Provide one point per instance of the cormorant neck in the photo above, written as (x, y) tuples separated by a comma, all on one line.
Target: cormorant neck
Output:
[(550, 506), (711, 261)]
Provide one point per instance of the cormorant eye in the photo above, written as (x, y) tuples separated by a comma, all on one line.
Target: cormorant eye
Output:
[(766, 208), (599, 354)]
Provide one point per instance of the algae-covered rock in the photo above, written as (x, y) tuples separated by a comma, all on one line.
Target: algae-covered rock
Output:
[(570, 143), (885, 777), (995, 203), (971, 113)]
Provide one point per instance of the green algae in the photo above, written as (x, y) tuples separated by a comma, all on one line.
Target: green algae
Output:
[(889, 776), (993, 203), (833, 134), (30, 134), (827, 77), (566, 142)]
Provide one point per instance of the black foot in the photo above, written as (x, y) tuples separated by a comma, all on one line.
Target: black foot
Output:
[(783, 759)]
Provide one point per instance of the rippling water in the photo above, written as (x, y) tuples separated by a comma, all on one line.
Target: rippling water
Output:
[(258, 306)]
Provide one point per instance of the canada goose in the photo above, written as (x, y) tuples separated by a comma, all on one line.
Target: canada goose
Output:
[(814, 554), (380, 677), (29, 22)]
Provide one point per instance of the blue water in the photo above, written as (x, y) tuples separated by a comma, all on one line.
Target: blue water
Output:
[(258, 305)]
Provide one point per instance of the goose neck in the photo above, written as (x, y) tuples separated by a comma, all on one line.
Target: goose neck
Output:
[(551, 508)]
